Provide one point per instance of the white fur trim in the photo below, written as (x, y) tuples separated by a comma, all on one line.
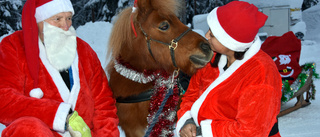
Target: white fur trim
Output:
[(206, 129), (51, 8), (66, 95), (76, 84), (36, 93), (61, 117), (65, 134), (181, 122), (223, 37), (54, 73), (224, 75)]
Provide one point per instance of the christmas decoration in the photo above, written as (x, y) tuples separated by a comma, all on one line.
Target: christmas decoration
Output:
[(129, 73), (164, 126), (289, 90), (162, 83)]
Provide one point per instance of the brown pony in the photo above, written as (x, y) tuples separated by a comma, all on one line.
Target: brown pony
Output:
[(148, 55)]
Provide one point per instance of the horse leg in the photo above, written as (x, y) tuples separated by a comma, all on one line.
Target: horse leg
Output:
[(133, 132)]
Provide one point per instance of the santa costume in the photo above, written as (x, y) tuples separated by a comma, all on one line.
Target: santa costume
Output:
[(244, 99), (34, 98)]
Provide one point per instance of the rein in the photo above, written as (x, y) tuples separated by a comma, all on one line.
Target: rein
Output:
[(172, 45), (159, 111)]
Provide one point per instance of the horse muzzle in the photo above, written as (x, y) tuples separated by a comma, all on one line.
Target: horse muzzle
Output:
[(200, 60)]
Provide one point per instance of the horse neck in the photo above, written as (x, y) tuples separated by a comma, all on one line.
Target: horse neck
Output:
[(122, 79)]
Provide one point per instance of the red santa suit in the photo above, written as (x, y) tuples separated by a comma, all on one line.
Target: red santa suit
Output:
[(90, 95), (242, 101)]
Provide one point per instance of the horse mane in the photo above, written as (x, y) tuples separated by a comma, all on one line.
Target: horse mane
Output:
[(121, 32)]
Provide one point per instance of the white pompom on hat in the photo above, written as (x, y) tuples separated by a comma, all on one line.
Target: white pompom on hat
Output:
[(36, 93), (236, 24), (35, 11)]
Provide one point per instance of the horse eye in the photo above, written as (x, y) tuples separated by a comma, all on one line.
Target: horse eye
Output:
[(164, 26)]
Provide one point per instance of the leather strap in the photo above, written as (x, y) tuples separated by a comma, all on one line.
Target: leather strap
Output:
[(144, 96)]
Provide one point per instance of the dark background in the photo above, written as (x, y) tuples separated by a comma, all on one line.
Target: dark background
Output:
[(105, 10)]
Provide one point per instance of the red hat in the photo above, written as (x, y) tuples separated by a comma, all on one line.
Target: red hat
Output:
[(35, 11), (236, 24)]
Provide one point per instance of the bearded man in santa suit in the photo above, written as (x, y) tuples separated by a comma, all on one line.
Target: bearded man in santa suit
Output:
[(51, 82)]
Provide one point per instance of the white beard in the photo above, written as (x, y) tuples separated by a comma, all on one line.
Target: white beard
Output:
[(60, 46)]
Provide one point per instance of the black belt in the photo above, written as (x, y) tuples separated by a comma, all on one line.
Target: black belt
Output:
[(275, 129), (285, 70)]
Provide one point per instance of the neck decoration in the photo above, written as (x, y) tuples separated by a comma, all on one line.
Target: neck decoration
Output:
[(162, 83), (165, 125), (129, 73)]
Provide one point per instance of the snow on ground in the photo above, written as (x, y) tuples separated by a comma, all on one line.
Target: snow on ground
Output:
[(304, 122)]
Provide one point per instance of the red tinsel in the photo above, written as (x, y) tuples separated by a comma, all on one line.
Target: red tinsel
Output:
[(164, 126)]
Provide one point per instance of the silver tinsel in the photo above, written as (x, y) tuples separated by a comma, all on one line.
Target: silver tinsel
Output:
[(165, 133), (161, 81), (172, 115), (132, 74)]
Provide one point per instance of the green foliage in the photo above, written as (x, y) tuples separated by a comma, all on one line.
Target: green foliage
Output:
[(289, 90)]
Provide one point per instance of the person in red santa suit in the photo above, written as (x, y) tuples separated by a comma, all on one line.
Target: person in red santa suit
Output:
[(51, 82), (237, 94)]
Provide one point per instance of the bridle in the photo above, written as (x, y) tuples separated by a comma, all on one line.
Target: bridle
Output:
[(144, 96), (172, 46)]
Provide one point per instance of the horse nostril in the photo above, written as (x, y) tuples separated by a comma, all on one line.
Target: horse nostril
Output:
[(205, 47)]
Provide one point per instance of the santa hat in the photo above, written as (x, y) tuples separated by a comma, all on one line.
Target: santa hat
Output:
[(35, 11), (236, 24)]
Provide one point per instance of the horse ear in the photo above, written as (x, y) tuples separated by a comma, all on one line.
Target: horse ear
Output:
[(143, 6)]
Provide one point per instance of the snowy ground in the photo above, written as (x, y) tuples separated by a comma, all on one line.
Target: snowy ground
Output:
[(304, 122)]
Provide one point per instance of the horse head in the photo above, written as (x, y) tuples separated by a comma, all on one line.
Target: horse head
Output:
[(156, 22)]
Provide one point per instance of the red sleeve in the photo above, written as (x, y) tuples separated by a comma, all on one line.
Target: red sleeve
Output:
[(191, 95), (105, 119), (198, 83), (255, 116), (105, 116)]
